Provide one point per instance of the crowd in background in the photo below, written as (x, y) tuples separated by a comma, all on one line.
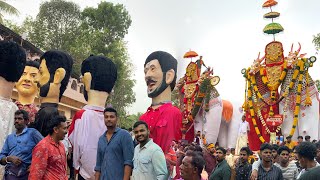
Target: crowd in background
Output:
[(28, 155)]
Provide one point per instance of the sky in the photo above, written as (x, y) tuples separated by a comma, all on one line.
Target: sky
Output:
[(228, 34)]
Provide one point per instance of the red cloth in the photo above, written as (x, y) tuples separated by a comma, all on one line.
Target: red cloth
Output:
[(254, 141), (30, 108), (48, 161), (164, 125)]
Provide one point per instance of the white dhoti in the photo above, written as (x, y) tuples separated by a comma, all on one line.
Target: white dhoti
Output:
[(242, 141)]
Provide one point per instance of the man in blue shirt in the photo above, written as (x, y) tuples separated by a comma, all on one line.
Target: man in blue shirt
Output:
[(16, 153), (115, 150)]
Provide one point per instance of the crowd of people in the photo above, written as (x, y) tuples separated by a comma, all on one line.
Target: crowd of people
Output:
[(122, 154)]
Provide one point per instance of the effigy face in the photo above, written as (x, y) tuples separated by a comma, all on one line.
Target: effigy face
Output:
[(27, 84), (44, 73), (192, 72), (153, 76)]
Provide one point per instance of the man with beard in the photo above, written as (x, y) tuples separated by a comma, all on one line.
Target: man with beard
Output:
[(148, 160), (208, 155), (17, 150), (163, 119), (12, 63), (289, 168), (266, 170), (115, 150), (55, 69), (242, 167), (27, 89), (192, 166), (49, 157), (222, 170), (99, 76), (307, 152)]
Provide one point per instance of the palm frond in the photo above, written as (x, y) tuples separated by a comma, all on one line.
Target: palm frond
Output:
[(7, 8)]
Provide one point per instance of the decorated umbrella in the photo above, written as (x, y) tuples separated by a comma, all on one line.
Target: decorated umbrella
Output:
[(190, 54)]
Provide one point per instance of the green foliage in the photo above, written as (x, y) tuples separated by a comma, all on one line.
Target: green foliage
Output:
[(7, 8), (316, 41), (129, 120)]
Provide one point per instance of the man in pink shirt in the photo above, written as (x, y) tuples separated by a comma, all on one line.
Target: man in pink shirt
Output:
[(164, 119)]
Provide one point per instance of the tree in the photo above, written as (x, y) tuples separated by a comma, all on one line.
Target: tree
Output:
[(129, 120), (7, 8), (316, 41)]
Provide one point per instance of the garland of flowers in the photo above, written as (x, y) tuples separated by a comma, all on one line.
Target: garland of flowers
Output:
[(261, 117), (308, 101), (251, 109), (199, 99), (298, 99), (274, 87)]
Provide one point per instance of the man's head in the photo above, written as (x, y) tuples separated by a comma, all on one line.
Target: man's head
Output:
[(21, 119), (99, 73), (243, 118), (220, 154), (288, 139), (266, 152), (55, 67), (110, 117), (306, 152), (244, 154), (27, 84), (211, 148), (160, 70), (233, 151), (58, 127), (284, 154), (198, 134), (275, 148), (318, 150), (12, 61), (192, 166), (307, 138), (141, 131), (300, 139)]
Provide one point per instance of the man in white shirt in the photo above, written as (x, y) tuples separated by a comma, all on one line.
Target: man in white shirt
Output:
[(306, 152), (99, 76), (242, 140), (149, 161)]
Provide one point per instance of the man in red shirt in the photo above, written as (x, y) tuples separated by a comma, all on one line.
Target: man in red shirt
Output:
[(164, 119), (49, 157)]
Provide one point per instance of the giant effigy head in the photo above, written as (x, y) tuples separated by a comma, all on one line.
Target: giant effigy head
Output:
[(27, 84), (55, 68), (160, 70), (99, 73), (12, 60), (274, 54)]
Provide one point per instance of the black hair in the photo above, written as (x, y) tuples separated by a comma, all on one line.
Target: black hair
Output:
[(130, 129), (246, 149), (24, 113), (33, 64), (300, 137), (224, 151), (58, 59), (307, 150), (232, 149), (283, 148), (266, 146), (167, 62), (307, 137), (318, 145), (198, 149), (12, 61), (55, 122), (103, 72), (197, 160), (136, 124), (275, 147), (110, 109)]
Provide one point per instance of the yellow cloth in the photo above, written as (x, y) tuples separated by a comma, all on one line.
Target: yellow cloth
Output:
[(291, 144)]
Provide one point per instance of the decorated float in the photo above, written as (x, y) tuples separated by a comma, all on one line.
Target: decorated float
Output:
[(280, 96), (202, 107)]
